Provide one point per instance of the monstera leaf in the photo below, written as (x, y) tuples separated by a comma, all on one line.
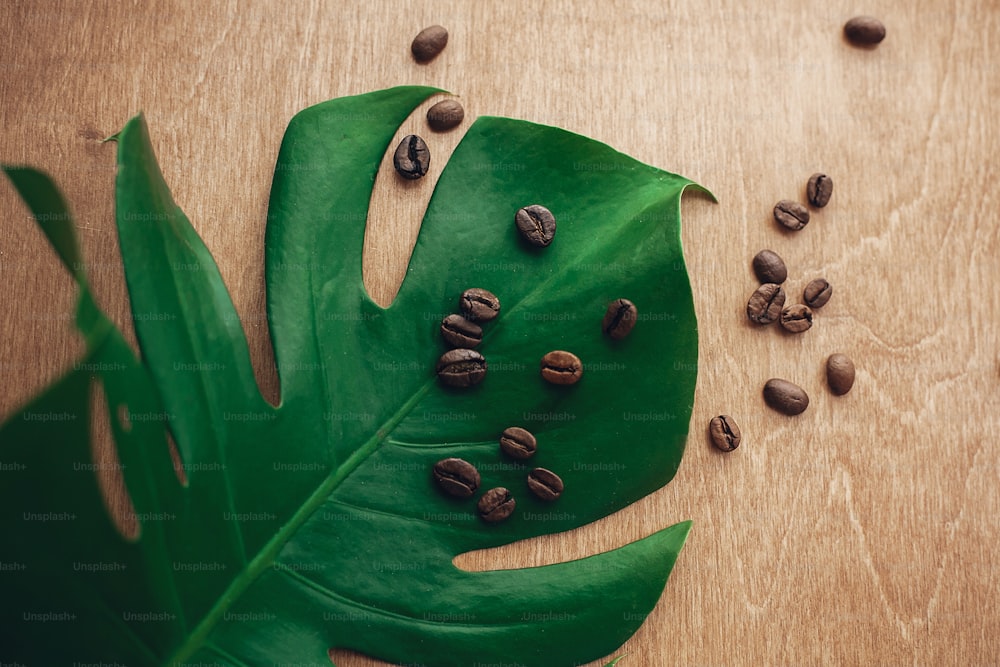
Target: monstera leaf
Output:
[(315, 523)]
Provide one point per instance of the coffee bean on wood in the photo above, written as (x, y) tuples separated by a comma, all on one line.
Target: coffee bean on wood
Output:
[(456, 477), (840, 373), (428, 43), (619, 319), (457, 331), (518, 443), (445, 115), (819, 189), (545, 484), (791, 214), (769, 267), (817, 293), (561, 367), (479, 304), (796, 318), (864, 30), (536, 224), (785, 396), (765, 304), (496, 505), (412, 158), (461, 368), (725, 433)]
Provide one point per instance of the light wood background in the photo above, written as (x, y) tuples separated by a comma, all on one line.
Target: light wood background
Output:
[(861, 532)]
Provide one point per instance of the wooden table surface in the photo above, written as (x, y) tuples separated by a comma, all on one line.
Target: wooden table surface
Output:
[(863, 531)]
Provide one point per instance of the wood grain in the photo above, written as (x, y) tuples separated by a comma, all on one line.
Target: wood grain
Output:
[(862, 531)]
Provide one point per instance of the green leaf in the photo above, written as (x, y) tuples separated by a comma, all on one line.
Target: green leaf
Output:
[(315, 523)]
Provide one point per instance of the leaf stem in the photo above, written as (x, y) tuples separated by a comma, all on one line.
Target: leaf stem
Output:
[(266, 557)]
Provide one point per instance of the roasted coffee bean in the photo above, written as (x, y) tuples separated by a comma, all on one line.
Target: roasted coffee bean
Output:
[(819, 189), (518, 443), (791, 214), (619, 319), (461, 367), (840, 373), (545, 484), (785, 396), (460, 332), (445, 115), (412, 158), (864, 30), (725, 433), (769, 267), (817, 293), (456, 477), (496, 505), (561, 367), (428, 43), (796, 318), (479, 304), (765, 304), (536, 224)]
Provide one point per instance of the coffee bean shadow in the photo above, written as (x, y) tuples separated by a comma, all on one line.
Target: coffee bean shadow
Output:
[(785, 231), (463, 391), (413, 183), (524, 245), (767, 329), (786, 334), (753, 326), (858, 45)]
